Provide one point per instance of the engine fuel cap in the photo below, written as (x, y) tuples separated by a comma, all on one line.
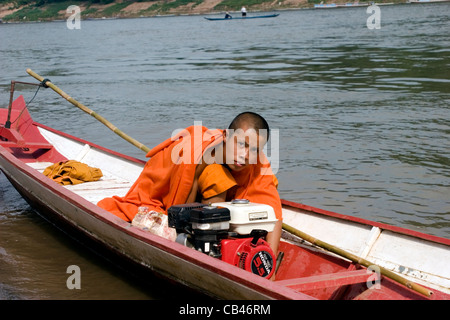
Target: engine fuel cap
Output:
[(240, 201)]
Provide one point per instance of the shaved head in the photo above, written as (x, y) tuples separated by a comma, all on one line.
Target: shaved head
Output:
[(253, 120)]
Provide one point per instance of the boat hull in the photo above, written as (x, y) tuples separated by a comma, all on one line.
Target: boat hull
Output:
[(244, 18), (306, 272), (166, 258)]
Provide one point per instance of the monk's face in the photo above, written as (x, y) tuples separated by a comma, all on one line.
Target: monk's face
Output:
[(242, 147)]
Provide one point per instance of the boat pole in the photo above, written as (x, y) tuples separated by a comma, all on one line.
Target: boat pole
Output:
[(412, 285), (48, 83)]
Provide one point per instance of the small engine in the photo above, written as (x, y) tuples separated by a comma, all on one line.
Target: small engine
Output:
[(231, 231), (251, 254)]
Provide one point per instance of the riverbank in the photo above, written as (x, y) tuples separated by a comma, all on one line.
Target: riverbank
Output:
[(11, 12)]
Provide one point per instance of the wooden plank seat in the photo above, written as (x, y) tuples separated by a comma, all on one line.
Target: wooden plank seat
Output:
[(27, 145), (94, 191), (39, 166), (108, 186)]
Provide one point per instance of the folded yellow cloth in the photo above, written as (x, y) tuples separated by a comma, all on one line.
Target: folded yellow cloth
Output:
[(72, 172)]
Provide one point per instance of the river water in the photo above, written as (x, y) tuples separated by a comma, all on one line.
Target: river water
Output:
[(362, 116)]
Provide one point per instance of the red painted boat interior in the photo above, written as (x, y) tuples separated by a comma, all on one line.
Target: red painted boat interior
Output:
[(23, 139), (327, 277)]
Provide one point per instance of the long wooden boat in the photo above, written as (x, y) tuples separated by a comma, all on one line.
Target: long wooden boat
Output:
[(306, 272), (325, 5), (244, 18), (425, 1)]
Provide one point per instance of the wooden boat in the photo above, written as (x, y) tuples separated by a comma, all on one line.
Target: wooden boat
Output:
[(353, 4), (325, 5), (244, 18), (425, 1), (345, 5), (306, 272)]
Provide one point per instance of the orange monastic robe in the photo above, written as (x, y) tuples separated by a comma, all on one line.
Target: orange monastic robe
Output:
[(257, 184), (168, 176)]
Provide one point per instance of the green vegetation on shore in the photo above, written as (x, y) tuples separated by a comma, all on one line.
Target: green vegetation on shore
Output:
[(32, 11), (45, 10), (237, 4), (36, 10)]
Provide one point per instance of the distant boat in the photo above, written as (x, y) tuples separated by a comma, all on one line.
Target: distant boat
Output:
[(345, 5), (245, 18), (426, 1), (354, 4), (326, 5)]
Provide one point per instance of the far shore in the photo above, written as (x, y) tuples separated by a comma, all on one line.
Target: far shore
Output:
[(11, 14)]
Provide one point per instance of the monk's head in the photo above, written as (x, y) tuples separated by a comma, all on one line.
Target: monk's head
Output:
[(244, 140)]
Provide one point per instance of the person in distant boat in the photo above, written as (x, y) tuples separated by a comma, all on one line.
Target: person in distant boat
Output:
[(204, 165), (228, 16), (244, 11)]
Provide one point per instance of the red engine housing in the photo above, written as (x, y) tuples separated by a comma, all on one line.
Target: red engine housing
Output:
[(258, 259)]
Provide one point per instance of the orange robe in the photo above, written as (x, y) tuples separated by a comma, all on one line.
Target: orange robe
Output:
[(168, 176), (257, 184), (214, 180)]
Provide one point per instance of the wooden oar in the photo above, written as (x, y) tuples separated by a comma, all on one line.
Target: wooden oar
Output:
[(414, 286), (47, 83)]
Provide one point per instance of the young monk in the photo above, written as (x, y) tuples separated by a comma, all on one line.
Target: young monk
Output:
[(207, 166)]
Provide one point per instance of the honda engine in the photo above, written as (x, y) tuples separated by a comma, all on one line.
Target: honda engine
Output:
[(231, 231)]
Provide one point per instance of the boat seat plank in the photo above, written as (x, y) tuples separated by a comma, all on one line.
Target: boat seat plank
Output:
[(27, 145), (108, 183), (328, 280), (94, 191), (108, 186), (95, 196), (83, 152), (40, 166), (370, 242)]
